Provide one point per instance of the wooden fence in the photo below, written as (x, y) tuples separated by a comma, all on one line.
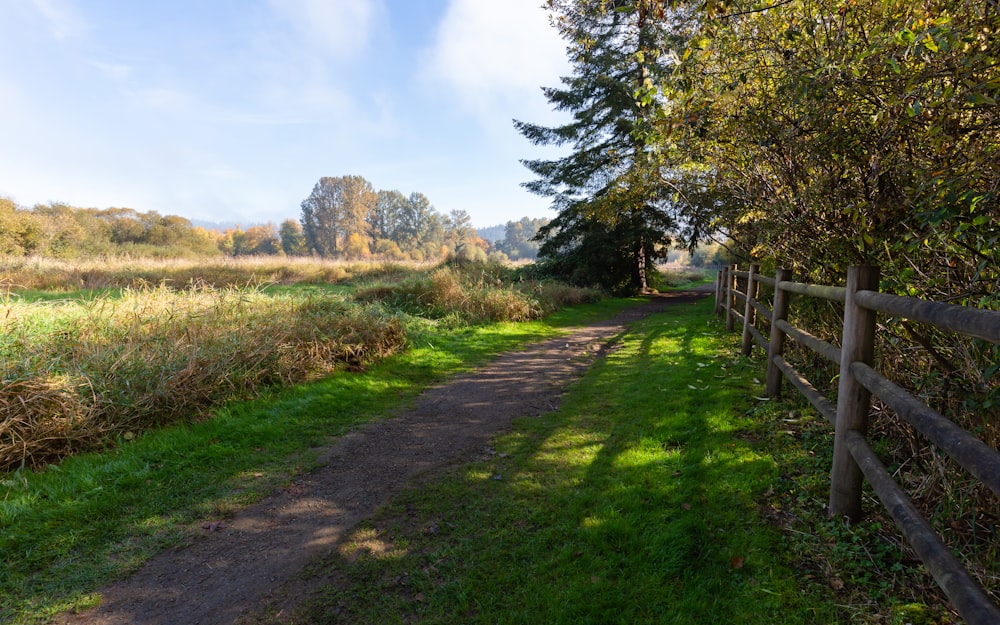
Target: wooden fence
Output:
[(853, 458)]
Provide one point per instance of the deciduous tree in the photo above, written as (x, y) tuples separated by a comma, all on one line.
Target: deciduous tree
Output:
[(336, 209)]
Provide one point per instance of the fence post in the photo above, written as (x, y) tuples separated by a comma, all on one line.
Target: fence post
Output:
[(776, 346), (749, 312), (718, 292), (731, 287), (853, 399)]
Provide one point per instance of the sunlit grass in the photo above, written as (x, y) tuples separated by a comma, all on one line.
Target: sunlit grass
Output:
[(636, 502), (81, 373)]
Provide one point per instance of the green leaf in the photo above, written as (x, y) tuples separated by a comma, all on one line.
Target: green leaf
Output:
[(981, 98), (914, 108)]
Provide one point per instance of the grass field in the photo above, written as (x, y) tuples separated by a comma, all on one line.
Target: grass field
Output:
[(85, 368), (96, 516), (661, 491)]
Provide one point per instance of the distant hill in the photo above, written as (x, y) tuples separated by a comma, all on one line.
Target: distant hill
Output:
[(213, 225), (492, 233)]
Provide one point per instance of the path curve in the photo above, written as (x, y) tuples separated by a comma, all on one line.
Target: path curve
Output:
[(229, 570)]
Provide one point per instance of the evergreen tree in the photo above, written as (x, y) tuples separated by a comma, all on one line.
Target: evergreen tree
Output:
[(613, 214)]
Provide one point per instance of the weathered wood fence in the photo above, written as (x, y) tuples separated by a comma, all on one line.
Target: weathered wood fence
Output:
[(853, 458)]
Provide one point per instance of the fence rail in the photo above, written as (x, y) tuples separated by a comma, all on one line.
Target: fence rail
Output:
[(853, 459)]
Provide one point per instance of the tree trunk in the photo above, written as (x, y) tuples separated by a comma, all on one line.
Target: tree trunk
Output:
[(641, 266)]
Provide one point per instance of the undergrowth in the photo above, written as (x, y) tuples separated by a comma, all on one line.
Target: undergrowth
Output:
[(20, 273), (877, 577), (474, 294), (93, 367)]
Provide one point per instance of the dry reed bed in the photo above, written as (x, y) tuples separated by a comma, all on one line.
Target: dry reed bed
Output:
[(77, 374), (183, 336), (475, 297), (48, 274)]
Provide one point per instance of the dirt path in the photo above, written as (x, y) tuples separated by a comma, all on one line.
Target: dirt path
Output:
[(232, 567)]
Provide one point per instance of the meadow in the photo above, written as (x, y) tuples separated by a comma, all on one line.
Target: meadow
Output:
[(96, 352), (662, 489)]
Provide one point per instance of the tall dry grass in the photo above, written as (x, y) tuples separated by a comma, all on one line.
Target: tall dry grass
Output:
[(76, 374), (173, 338), (474, 293), (48, 274)]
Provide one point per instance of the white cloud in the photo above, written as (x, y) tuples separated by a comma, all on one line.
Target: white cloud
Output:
[(63, 19), (341, 27), (497, 54)]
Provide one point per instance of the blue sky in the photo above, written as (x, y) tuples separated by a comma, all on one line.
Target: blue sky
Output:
[(231, 110)]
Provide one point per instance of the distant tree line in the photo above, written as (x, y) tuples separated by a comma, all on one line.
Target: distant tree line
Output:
[(342, 218), (345, 217), (63, 231), (518, 242)]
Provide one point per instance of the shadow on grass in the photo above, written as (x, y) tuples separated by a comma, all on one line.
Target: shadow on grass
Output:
[(634, 503)]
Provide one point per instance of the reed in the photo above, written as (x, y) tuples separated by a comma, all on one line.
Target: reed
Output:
[(475, 293), (79, 374), (18, 273)]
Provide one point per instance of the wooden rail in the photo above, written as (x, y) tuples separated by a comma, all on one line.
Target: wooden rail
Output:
[(736, 297)]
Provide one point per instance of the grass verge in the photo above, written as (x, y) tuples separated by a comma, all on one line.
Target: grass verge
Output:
[(67, 530), (636, 502)]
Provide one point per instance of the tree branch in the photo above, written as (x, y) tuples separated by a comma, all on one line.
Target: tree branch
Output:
[(757, 10)]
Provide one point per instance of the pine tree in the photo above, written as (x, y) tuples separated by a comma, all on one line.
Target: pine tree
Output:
[(613, 215)]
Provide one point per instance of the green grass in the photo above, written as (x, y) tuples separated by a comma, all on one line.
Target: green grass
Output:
[(662, 491), (96, 517), (636, 502)]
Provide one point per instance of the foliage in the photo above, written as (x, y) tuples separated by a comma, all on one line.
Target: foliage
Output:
[(336, 209), (293, 240), (342, 219), (385, 223), (62, 231), (518, 241), (255, 241), (830, 133), (819, 134), (474, 293), (492, 234)]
